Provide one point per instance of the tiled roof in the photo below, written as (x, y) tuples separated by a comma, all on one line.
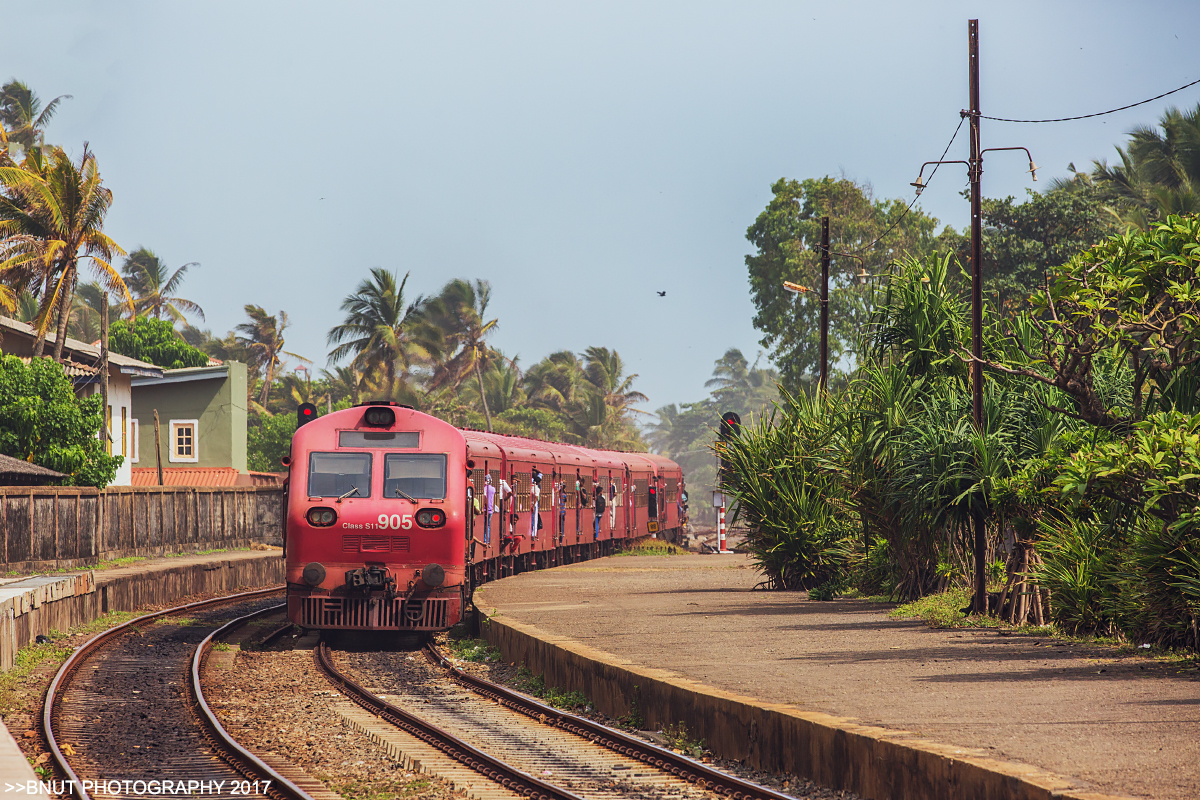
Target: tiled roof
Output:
[(73, 368), (186, 476), (15, 466), (78, 350)]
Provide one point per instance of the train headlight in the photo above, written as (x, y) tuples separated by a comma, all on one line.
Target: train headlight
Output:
[(433, 575), (321, 517), (314, 573), (380, 417), (431, 518)]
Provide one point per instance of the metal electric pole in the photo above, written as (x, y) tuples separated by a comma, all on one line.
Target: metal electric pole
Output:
[(975, 169), (824, 302)]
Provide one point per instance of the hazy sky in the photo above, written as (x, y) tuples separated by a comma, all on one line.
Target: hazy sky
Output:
[(578, 156)]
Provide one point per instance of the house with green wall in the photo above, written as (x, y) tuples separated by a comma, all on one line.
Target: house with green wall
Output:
[(202, 427)]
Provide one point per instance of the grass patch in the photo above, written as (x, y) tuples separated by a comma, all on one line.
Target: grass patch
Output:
[(678, 738), (652, 547), (476, 650), (29, 659), (535, 686), (222, 647)]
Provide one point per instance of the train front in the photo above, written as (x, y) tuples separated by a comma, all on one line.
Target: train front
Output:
[(375, 534)]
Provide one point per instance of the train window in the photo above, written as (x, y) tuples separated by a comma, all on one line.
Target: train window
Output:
[(379, 439), (335, 474), (418, 475)]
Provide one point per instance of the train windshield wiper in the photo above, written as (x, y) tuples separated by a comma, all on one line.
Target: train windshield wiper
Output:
[(401, 493), (353, 490)]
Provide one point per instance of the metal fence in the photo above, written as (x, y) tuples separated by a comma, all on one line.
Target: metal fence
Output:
[(48, 527)]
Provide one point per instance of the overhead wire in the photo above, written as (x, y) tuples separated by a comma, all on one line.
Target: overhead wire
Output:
[(1098, 113), (914, 200)]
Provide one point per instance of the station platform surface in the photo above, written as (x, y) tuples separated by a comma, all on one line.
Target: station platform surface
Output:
[(1125, 724)]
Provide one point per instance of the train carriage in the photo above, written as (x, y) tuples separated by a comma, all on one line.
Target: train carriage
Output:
[(388, 524)]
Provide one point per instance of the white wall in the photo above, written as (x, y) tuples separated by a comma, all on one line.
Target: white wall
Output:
[(120, 400)]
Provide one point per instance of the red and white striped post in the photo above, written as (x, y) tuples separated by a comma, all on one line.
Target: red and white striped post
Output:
[(719, 504), (721, 546)]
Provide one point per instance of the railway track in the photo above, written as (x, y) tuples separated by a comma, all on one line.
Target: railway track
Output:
[(126, 710), (525, 747)]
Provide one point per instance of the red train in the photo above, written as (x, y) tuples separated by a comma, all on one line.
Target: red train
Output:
[(393, 517)]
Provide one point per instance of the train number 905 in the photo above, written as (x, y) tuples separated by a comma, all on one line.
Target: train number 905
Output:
[(395, 522)]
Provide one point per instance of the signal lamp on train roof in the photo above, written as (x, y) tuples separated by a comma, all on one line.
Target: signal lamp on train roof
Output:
[(380, 417)]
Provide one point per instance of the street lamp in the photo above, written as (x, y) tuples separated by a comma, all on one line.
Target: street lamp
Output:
[(861, 278)]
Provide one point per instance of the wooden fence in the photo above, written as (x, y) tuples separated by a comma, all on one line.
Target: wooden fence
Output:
[(48, 527)]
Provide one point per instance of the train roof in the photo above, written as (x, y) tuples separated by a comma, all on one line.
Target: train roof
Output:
[(565, 455)]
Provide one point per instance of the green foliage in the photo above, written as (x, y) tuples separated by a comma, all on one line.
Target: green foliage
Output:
[(679, 738), (788, 493), (535, 686), (1135, 298), (268, 441), (1078, 565), (1023, 242), (535, 423), (155, 341), (473, 650), (43, 422), (784, 236)]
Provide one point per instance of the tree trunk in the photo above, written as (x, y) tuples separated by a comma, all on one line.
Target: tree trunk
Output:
[(483, 396), (39, 342), (64, 315), (266, 384)]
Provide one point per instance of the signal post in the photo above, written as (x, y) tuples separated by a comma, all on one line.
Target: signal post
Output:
[(731, 425)]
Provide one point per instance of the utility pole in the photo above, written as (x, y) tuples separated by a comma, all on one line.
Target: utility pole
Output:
[(105, 413), (975, 169), (824, 303)]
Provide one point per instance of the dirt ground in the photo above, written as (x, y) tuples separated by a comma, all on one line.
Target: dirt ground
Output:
[(1125, 724)]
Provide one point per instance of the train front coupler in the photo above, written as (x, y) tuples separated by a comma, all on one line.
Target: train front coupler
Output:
[(371, 579)]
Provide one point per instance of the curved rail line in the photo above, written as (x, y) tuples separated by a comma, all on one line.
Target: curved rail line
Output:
[(661, 758), (240, 760), (507, 776)]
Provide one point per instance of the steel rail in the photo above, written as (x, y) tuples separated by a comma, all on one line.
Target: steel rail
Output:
[(661, 758), (63, 678), (490, 767), (226, 746)]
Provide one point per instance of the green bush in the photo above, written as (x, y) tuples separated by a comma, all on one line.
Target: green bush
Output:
[(44, 423), (153, 340), (789, 498), (1078, 564), (268, 441)]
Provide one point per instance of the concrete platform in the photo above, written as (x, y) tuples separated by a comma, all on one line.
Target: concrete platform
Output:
[(841, 693)]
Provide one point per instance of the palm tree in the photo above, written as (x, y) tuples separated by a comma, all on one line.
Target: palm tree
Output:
[(606, 371), (556, 382), (381, 330), (49, 220), (22, 114), (458, 313), (262, 337), (146, 276), (344, 382), (1159, 173)]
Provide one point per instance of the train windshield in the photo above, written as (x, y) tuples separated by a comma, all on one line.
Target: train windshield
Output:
[(417, 475), (339, 474)]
